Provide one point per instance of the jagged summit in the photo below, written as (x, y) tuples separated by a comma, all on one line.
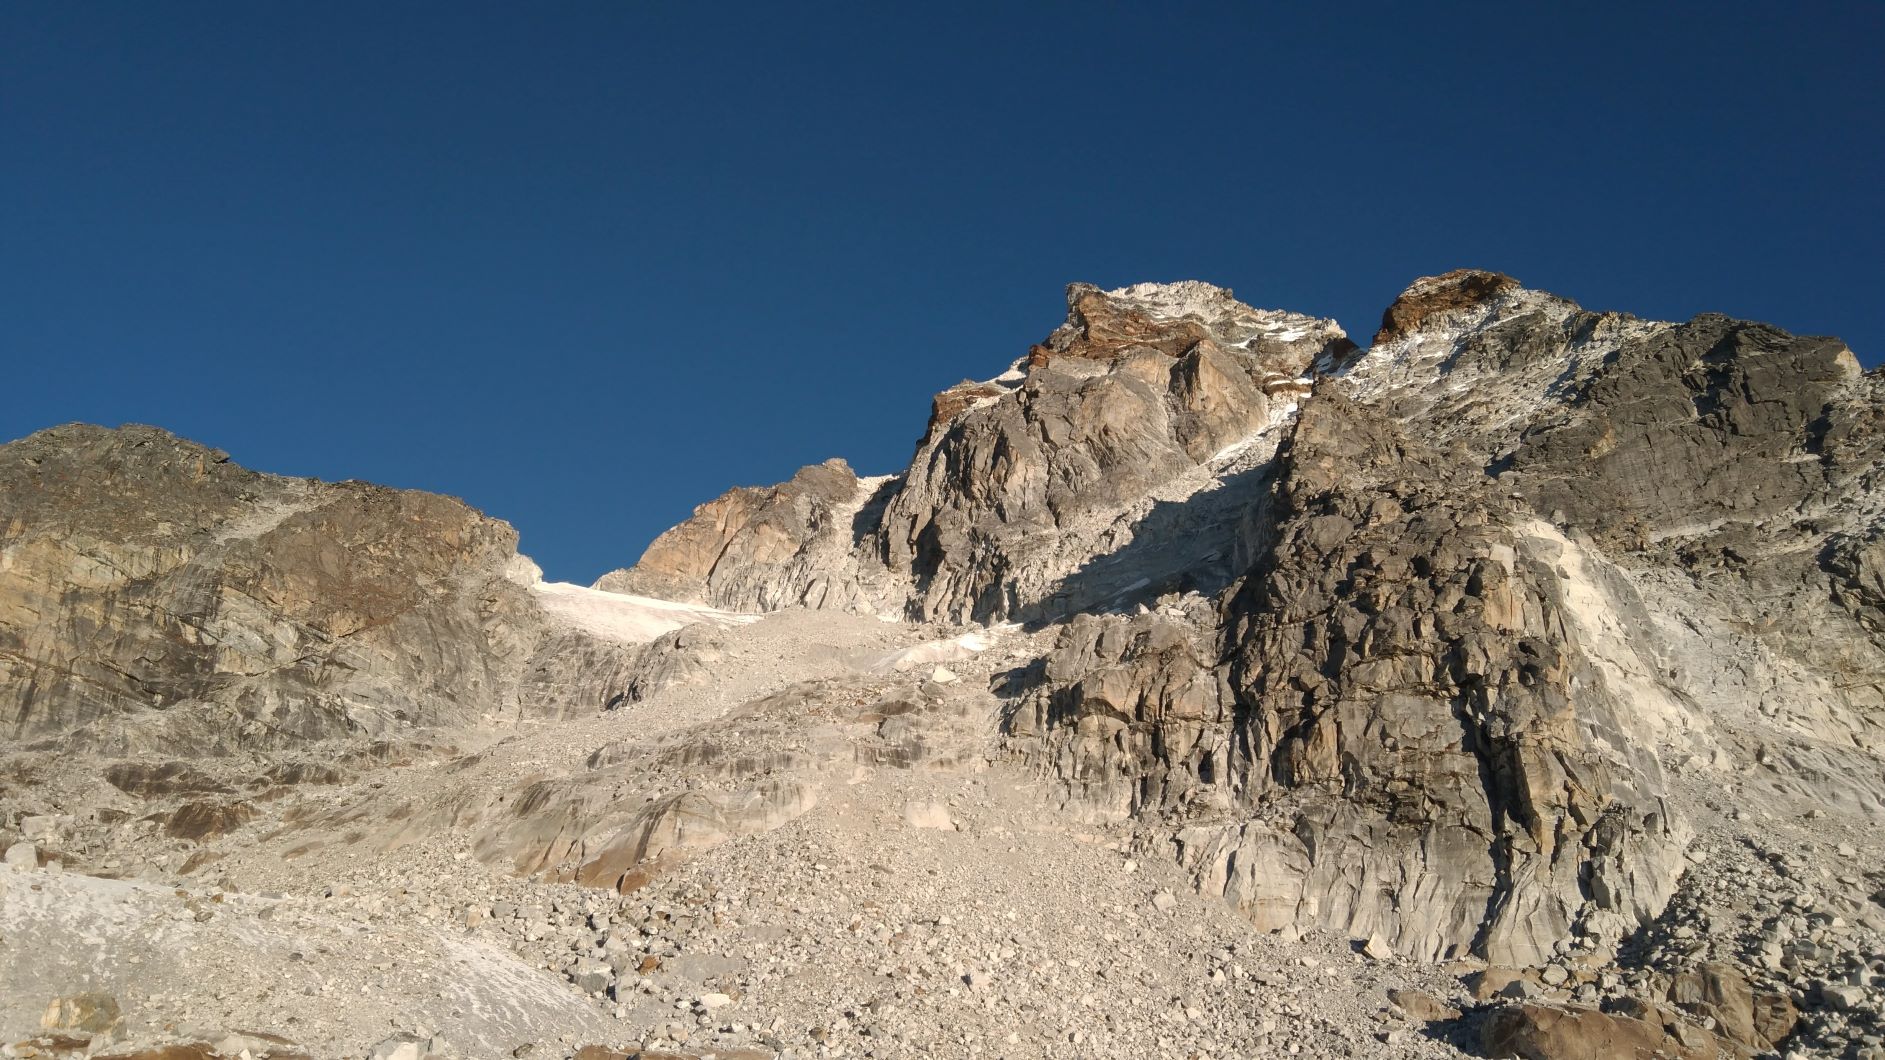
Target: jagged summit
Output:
[(1431, 296), (1171, 318)]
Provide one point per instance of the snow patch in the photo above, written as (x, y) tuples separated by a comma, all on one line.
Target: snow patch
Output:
[(622, 617), (929, 653), (1280, 412), (1425, 369)]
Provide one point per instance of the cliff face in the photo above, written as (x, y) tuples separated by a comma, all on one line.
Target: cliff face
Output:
[(1410, 734), (154, 596), (1467, 637)]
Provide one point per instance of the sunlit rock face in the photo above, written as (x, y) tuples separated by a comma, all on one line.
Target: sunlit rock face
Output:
[(155, 596)]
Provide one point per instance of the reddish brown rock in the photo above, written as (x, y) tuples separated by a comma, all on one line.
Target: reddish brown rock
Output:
[(1432, 295), (947, 404), (1100, 328)]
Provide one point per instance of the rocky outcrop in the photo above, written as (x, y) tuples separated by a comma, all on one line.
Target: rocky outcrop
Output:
[(1441, 689), (1056, 486), (1707, 1013), (1431, 296), (1730, 462), (1410, 737), (156, 598), (1543, 1032), (764, 548), (1013, 498)]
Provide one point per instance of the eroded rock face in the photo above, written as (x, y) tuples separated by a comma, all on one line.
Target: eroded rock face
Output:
[(1409, 736), (1009, 497), (154, 596), (763, 548), (1408, 658), (1432, 707), (1731, 462), (157, 599)]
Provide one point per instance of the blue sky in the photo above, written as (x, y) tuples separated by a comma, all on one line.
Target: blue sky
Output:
[(587, 265)]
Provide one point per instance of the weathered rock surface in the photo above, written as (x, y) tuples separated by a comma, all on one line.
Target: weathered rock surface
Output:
[(761, 549), (1025, 487), (1443, 689), (1539, 1032), (1011, 501), (1408, 683), (156, 597)]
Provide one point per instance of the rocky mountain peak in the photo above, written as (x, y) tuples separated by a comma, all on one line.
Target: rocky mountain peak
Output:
[(1172, 318), (1433, 296), (1536, 642)]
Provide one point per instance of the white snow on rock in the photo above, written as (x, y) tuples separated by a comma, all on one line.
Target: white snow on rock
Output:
[(1425, 369), (1218, 308), (622, 617), (931, 652)]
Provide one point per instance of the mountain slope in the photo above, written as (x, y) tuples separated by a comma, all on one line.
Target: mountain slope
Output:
[(1531, 644)]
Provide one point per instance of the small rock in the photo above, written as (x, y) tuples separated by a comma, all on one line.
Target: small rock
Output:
[(1844, 997), (400, 1047), (91, 1013), (1377, 948), (928, 814)]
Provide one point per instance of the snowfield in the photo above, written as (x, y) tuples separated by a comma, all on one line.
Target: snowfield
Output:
[(626, 618)]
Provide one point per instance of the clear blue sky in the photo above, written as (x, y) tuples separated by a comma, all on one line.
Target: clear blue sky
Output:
[(587, 265)]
